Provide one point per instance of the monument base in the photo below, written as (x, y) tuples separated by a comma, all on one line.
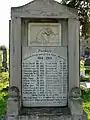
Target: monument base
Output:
[(16, 112), (47, 114)]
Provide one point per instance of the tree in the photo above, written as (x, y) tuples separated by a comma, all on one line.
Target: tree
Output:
[(83, 7)]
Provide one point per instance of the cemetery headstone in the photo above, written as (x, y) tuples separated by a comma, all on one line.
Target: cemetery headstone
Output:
[(44, 62), (3, 59)]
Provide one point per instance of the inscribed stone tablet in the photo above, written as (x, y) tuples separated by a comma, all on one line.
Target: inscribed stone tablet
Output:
[(44, 76)]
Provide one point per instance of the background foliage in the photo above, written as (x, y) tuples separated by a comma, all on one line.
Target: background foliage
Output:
[(4, 82), (83, 7), (86, 100)]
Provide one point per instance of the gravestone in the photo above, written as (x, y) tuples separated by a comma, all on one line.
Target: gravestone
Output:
[(44, 62), (3, 59)]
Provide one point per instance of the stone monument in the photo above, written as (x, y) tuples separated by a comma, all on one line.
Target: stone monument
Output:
[(44, 63)]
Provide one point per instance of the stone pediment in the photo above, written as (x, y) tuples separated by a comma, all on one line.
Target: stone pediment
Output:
[(43, 9)]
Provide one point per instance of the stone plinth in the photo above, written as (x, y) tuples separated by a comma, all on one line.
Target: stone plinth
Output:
[(47, 114)]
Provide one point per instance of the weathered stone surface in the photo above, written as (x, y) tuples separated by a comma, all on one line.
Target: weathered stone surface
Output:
[(49, 117), (12, 106), (76, 101), (13, 102), (79, 117), (12, 118), (75, 93), (13, 92), (64, 34), (76, 107), (44, 76), (44, 9), (45, 111)]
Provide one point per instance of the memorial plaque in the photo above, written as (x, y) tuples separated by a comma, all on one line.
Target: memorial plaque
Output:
[(44, 34), (44, 76)]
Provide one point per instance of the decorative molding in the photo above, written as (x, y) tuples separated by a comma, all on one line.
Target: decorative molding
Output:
[(43, 8)]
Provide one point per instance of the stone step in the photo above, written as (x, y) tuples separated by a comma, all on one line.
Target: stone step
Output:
[(45, 117), (49, 117), (47, 113)]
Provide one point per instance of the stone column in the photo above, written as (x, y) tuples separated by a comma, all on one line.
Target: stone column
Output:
[(73, 53), (15, 53)]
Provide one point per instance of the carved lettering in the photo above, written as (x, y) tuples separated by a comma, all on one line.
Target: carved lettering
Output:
[(44, 79)]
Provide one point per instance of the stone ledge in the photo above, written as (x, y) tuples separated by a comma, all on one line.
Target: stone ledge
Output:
[(45, 111), (48, 117)]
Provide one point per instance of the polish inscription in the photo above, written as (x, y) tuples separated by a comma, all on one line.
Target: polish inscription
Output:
[(44, 79)]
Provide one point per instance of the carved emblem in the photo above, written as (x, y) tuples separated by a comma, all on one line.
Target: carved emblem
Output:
[(45, 35), (75, 92)]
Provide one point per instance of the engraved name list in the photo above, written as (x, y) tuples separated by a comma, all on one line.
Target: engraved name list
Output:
[(44, 79)]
